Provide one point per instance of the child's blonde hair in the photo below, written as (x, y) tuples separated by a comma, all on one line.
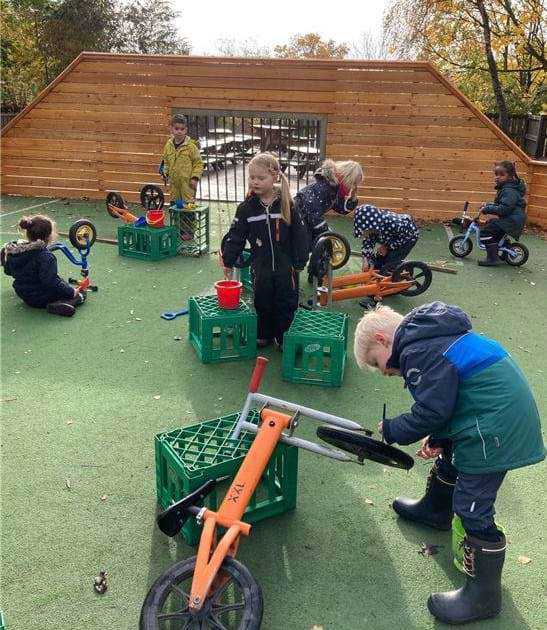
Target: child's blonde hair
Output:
[(382, 319), (270, 163), (350, 173)]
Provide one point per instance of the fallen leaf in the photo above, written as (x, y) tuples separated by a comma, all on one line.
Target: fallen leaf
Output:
[(533, 284), (524, 560), (70, 422), (157, 397), (67, 483), (103, 498), (132, 312), (138, 319), (369, 501)]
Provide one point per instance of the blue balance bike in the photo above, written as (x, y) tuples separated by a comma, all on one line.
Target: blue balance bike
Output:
[(460, 246), (82, 235)]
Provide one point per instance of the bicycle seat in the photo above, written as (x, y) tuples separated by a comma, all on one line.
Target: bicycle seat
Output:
[(171, 520)]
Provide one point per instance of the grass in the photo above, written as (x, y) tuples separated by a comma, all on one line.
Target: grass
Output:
[(78, 403)]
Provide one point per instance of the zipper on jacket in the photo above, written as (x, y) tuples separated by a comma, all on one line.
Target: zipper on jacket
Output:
[(267, 210)]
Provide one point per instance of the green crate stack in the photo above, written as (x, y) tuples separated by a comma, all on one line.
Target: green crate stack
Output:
[(219, 334), (315, 348), (186, 458), (147, 243), (193, 229)]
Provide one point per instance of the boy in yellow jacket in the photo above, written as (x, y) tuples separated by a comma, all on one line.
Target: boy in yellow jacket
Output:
[(181, 161)]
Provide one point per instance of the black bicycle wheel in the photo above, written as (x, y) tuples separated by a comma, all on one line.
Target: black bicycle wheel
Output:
[(116, 200), (81, 233), (418, 272), (236, 605), (365, 447), (518, 256), (152, 197), (459, 246), (341, 248)]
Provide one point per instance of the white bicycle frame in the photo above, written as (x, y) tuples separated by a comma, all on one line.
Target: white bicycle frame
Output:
[(320, 416)]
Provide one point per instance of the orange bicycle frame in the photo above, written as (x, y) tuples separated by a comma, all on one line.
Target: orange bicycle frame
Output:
[(367, 283), (211, 554)]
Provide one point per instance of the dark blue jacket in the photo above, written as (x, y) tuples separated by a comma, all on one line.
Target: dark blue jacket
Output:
[(509, 205), (273, 243), (34, 269), (466, 388), (314, 200)]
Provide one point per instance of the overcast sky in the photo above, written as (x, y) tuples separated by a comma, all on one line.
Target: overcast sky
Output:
[(270, 22)]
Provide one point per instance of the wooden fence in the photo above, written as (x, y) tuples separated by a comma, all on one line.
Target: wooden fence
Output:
[(102, 123)]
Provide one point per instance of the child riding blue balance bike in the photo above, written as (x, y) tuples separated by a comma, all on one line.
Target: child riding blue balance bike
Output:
[(460, 246)]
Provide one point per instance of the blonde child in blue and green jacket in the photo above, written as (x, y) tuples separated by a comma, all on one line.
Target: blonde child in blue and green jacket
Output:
[(476, 414)]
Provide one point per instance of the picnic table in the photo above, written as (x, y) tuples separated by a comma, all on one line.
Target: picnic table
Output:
[(271, 136), (302, 158)]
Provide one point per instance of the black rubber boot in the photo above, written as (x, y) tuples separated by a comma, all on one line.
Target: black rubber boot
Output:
[(65, 309), (434, 509), (480, 596), (492, 259)]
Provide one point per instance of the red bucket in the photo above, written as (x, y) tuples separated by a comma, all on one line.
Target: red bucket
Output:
[(155, 218), (228, 293)]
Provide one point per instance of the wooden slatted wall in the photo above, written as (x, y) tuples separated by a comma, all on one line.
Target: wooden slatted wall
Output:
[(102, 123)]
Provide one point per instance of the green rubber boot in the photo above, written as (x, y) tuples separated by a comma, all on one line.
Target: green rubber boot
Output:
[(458, 535)]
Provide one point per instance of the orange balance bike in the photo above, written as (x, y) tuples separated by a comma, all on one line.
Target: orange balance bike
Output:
[(410, 278), (213, 590), (152, 198)]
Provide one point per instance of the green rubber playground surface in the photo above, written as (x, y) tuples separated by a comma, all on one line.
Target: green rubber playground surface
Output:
[(82, 399)]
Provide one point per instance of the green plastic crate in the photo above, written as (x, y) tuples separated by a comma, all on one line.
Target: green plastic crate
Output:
[(315, 348), (147, 243), (193, 229), (186, 458), (218, 334)]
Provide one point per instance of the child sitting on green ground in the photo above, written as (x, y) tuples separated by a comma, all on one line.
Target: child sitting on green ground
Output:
[(476, 414), (34, 269)]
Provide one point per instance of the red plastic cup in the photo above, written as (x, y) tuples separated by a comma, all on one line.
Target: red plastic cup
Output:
[(228, 293)]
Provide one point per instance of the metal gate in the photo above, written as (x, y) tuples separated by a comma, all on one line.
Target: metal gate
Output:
[(229, 139)]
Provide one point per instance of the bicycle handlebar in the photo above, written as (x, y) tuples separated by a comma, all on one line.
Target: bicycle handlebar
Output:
[(258, 373)]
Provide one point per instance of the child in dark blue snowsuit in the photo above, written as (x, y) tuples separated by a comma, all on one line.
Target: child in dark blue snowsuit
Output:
[(34, 269)]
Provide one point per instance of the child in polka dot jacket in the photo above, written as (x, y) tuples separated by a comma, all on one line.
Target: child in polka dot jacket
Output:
[(388, 237)]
